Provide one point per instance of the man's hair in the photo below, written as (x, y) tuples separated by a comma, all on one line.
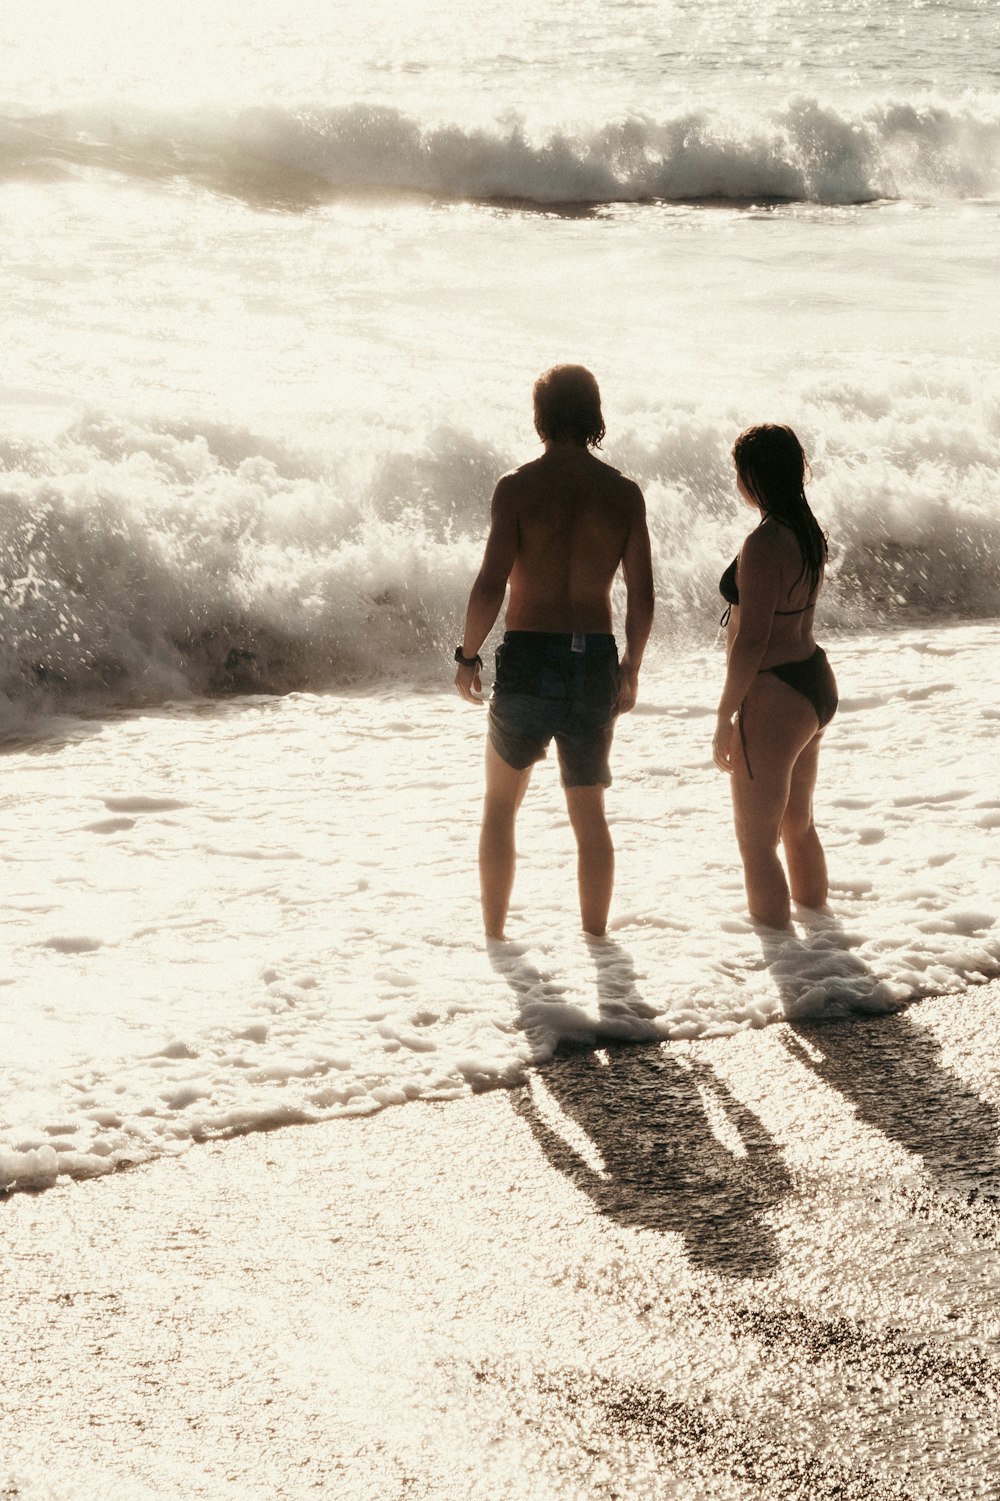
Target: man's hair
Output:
[(568, 406)]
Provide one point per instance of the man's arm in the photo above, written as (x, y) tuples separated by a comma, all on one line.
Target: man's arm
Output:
[(637, 569), (488, 591)]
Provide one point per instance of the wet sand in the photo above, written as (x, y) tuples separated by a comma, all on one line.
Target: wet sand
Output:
[(764, 1266)]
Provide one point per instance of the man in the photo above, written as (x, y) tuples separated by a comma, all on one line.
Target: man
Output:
[(560, 527)]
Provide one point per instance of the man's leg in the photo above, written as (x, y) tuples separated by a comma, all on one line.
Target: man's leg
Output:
[(505, 788), (595, 865)]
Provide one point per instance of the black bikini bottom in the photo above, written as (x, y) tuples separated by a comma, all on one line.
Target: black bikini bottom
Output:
[(814, 679)]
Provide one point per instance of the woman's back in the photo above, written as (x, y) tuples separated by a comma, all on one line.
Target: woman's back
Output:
[(773, 580)]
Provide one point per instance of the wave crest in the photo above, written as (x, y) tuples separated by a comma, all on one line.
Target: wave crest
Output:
[(808, 152)]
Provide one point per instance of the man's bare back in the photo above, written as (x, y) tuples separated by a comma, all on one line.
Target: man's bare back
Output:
[(574, 516)]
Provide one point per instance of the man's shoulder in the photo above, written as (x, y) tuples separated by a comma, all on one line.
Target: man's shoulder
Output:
[(522, 472), (618, 482), (518, 484), (629, 487), (626, 494), (508, 487), (540, 470)]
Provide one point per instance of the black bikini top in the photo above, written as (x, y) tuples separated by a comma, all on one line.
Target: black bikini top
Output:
[(729, 589)]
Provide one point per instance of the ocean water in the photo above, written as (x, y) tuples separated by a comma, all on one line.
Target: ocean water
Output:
[(277, 281)]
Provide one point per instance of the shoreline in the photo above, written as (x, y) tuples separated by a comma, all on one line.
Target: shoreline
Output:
[(58, 723)]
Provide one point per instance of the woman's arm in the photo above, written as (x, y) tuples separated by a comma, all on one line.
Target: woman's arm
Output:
[(759, 573)]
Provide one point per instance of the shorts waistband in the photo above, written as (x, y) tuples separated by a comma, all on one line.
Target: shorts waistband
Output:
[(592, 640)]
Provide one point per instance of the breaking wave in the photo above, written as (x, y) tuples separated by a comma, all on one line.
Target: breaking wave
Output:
[(141, 562), (808, 151)]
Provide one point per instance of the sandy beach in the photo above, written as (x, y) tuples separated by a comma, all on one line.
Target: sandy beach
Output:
[(756, 1267)]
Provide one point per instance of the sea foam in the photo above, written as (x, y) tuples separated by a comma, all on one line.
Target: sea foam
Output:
[(274, 939)]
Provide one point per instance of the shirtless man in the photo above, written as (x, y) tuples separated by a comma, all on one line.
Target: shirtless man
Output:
[(560, 526)]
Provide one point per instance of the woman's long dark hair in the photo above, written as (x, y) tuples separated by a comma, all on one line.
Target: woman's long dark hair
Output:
[(771, 463)]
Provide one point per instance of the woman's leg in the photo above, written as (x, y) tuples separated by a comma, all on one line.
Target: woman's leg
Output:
[(505, 789), (803, 852), (779, 724)]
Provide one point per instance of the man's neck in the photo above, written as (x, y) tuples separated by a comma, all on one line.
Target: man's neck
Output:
[(566, 448)]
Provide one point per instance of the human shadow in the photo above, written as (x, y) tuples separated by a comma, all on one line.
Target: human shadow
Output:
[(890, 1069), (892, 1073), (632, 1126)]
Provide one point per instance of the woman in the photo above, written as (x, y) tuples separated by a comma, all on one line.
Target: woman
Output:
[(780, 692)]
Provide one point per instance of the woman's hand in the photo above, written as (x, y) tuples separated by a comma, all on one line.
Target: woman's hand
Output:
[(722, 742)]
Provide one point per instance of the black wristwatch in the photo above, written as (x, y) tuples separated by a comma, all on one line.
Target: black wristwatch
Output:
[(465, 661)]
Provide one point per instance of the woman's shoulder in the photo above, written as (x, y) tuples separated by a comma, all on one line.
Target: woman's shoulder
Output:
[(772, 538), (767, 542)]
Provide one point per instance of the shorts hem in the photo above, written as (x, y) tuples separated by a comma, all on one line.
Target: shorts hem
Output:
[(519, 765)]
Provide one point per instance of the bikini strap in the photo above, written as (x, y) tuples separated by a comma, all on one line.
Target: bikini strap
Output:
[(810, 606)]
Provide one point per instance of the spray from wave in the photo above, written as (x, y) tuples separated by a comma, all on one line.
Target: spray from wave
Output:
[(808, 152), (144, 562), (141, 564)]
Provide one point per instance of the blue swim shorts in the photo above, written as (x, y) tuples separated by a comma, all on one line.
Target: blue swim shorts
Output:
[(553, 685)]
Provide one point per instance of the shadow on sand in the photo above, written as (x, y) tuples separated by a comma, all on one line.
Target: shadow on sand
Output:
[(648, 1132), (658, 1141), (892, 1073), (891, 1069)]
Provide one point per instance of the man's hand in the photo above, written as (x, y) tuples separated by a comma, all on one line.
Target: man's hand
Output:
[(469, 684), (721, 744), (628, 686)]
